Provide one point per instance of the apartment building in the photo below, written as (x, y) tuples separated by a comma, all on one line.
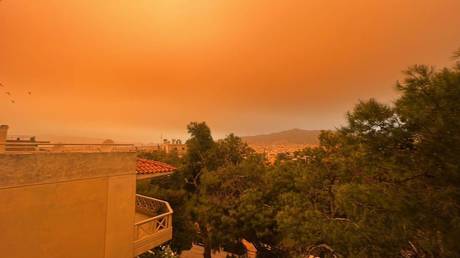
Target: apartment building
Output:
[(174, 145)]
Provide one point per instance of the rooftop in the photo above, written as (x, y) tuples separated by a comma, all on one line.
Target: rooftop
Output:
[(149, 168)]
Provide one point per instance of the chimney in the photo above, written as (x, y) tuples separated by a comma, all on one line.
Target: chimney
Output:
[(3, 133)]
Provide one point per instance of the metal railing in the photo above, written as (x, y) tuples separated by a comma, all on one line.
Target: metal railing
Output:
[(42, 146)]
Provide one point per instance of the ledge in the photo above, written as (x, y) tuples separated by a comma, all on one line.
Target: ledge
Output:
[(39, 168)]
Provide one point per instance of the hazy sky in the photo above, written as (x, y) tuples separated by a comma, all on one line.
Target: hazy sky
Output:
[(133, 70)]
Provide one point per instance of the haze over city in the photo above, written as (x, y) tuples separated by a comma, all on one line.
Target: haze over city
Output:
[(139, 70)]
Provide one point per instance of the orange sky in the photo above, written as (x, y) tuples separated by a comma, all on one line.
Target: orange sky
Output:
[(133, 70)]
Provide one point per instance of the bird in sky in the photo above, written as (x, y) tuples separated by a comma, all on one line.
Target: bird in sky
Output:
[(29, 92), (9, 93)]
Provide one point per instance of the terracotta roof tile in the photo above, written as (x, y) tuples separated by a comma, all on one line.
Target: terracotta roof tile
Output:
[(145, 166)]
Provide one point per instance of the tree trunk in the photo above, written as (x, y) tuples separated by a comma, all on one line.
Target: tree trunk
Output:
[(207, 251), (206, 241)]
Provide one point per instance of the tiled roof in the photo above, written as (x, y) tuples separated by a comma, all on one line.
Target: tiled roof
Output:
[(145, 166)]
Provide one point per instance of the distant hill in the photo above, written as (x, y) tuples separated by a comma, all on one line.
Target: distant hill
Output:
[(293, 136)]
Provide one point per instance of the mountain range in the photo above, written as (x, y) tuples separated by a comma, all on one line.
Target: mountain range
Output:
[(292, 136)]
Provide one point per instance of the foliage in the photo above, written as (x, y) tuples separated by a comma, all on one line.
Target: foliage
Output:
[(387, 184), (160, 252), (206, 157)]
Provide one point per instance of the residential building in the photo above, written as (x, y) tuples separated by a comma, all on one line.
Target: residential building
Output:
[(175, 145), (79, 205)]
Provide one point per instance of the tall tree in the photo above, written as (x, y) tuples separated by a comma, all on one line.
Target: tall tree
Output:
[(205, 156), (200, 146)]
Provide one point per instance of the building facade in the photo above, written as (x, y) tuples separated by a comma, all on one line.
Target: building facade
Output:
[(67, 205), (79, 205), (174, 145)]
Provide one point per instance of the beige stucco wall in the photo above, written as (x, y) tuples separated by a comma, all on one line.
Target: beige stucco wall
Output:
[(120, 216), (67, 205)]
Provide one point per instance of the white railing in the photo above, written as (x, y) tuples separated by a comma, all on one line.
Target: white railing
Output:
[(155, 230)]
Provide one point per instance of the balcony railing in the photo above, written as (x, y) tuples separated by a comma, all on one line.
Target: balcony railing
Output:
[(153, 225)]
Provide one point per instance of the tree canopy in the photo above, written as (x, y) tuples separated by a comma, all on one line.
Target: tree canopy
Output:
[(386, 184)]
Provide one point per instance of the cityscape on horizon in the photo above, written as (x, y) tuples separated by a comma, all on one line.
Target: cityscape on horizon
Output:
[(230, 129)]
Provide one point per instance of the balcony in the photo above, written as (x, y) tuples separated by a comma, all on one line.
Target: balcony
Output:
[(153, 225)]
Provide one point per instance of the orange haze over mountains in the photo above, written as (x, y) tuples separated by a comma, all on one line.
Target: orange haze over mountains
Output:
[(139, 70)]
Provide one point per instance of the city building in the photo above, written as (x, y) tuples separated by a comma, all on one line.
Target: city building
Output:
[(174, 145), (148, 148)]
